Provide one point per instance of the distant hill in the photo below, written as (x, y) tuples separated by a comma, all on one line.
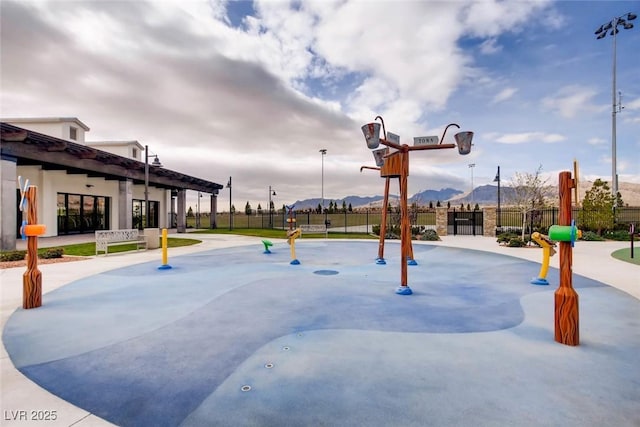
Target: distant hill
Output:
[(426, 196)]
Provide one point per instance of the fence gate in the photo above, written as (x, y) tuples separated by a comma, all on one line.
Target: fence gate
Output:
[(465, 223)]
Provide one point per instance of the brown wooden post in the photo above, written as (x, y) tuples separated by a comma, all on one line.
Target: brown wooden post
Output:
[(383, 219), (32, 278), (567, 330), (404, 215)]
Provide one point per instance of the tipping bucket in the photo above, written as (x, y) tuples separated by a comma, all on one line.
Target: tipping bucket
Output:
[(379, 154), (371, 133), (463, 139)]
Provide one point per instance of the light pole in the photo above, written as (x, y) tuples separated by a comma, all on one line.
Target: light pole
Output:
[(497, 179), (271, 193), (156, 162), (230, 215), (198, 215), (323, 152), (471, 166), (611, 28)]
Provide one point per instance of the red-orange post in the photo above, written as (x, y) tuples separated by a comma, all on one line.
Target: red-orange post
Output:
[(32, 278), (567, 327)]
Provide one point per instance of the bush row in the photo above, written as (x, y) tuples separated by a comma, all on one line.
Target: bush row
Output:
[(47, 253)]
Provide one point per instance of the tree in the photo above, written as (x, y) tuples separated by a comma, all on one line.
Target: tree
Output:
[(468, 206), (619, 201), (476, 207), (344, 206), (259, 209), (190, 212), (233, 209), (247, 209), (461, 206), (530, 192), (350, 208), (448, 205), (319, 208), (597, 207), (430, 204), (438, 204)]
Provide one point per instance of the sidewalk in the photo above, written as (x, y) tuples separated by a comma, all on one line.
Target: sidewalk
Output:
[(20, 396)]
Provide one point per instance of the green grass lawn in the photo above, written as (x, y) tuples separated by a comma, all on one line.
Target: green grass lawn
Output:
[(625, 255), (88, 249), (282, 234)]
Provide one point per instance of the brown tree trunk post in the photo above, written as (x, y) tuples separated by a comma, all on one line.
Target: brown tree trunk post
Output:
[(32, 278), (567, 330), (404, 222)]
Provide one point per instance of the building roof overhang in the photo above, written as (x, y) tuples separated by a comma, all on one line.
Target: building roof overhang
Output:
[(33, 148)]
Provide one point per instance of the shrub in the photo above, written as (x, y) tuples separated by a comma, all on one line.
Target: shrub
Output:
[(590, 236), (506, 237), (619, 235), (516, 242), (51, 253), (430, 235), (13, 256)]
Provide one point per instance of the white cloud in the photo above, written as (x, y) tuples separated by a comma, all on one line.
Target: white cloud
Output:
[(525, 137), (490, 46), (572, 101), (504, 94), (596, 141)]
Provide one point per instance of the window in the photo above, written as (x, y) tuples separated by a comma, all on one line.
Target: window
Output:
[(73, 133), (135, 153)]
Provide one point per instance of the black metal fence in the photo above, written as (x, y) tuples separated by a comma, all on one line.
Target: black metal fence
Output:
[(362, 221), (541, 219)]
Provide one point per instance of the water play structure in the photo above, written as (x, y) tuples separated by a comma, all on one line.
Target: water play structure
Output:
[(30, 229), (566, 313), (396, 165)]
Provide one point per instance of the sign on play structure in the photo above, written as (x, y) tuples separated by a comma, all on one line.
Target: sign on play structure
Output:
[(425, 140), (392, 137)]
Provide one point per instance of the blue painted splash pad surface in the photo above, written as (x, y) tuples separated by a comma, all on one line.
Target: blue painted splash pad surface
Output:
[(141, 347)]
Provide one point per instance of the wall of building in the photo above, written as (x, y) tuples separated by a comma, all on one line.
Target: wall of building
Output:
[(56, 128), (50, 183)]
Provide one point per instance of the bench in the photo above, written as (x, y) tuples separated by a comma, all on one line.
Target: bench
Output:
[(313, 228), (106, 238)]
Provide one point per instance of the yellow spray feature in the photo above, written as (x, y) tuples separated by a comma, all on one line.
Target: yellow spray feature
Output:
[(547, 252), (165, 265)]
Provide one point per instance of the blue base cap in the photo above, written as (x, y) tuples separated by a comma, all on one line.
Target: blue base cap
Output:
[(294, 262), (164, 267), (404, 290), (412, 262), (539, 281), (267, 252), (381, 261)]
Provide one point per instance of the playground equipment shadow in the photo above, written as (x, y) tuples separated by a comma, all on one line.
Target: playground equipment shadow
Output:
[(232, 336)]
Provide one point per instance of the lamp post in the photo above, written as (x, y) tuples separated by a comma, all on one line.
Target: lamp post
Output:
[(230, 214), (272, 192), (156, 162), (198, 213), (497, 179), (323, 152), (471, 166), (611, 28)]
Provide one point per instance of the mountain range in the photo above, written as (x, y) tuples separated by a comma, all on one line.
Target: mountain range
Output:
[(485, 195)]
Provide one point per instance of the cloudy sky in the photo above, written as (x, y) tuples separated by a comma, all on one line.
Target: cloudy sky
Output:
[(254, 90)]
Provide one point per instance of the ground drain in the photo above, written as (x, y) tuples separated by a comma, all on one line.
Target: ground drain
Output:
[(325, 272), (269, 365), (245, 388), (285, 348)]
